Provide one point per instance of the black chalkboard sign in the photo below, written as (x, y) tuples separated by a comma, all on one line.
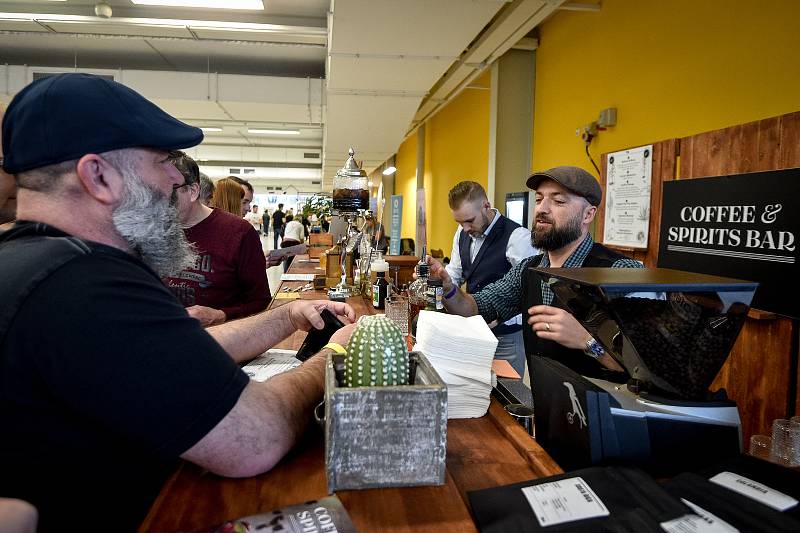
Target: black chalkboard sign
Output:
[(744, 226)]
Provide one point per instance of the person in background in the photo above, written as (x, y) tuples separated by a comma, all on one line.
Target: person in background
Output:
[(228, 195), (121, 383), (248, 193), (206, 189), (8, 194), (228, 279), (277, 224), (254, 218), (265, 222), (486, 246), (324, 223), (293, 234), (566, 204)]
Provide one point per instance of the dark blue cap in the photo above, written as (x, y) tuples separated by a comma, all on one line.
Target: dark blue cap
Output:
[(65, 117)]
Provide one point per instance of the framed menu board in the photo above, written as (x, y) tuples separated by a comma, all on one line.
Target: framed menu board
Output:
[(627, 204)]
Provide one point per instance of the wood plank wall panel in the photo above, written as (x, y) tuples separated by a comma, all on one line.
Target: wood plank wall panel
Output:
[(757, 374), (762, 372), (790, 140)]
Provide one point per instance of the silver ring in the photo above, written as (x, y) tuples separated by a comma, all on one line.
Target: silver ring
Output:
[(547, 326)]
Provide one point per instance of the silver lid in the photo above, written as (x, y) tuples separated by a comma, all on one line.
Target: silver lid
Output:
[(350, 168)]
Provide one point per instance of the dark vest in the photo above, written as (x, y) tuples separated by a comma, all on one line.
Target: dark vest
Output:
[(599, 256), (490, 263)]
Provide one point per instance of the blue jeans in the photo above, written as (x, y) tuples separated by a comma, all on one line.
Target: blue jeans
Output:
[(511, 347)]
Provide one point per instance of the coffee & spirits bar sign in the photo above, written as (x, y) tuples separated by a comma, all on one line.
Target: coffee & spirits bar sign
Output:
[(744, 226)]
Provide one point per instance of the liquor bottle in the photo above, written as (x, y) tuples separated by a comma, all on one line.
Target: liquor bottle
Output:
[(434, 295), (379, 290), (418, 290)]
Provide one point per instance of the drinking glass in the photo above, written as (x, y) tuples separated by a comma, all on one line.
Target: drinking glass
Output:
[(761, 446), (794, 431), (784, 440), (397, 311)]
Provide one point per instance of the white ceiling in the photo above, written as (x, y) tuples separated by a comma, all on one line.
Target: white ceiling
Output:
[(343, 73)]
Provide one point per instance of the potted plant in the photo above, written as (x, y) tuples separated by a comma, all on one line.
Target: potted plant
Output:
[(318, 205)]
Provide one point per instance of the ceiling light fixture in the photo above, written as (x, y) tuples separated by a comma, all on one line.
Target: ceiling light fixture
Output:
[(256, 5), (313, 36), (389, 171), (210, 129), (273, 132)]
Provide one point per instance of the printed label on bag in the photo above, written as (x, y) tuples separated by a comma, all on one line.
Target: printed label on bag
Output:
[(755, 490), (701, 522), (563, 501)]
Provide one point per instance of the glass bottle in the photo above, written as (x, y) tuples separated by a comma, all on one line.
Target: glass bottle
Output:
[(418, 290), (379, 290), (434, 295)]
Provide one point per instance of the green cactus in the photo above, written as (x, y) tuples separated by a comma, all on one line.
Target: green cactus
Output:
[(376, 354)]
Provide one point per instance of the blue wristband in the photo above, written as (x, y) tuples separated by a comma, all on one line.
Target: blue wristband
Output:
[(451, 293)]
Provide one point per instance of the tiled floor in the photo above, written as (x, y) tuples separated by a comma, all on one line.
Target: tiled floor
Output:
[(273, 273)]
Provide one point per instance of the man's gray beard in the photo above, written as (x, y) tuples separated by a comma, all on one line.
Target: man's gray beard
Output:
[(148, 221), (557, 237)]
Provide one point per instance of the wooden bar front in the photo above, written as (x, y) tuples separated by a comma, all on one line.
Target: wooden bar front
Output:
[(481, 453)]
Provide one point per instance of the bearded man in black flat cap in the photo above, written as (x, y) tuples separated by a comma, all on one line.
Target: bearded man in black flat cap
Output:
[(105, 380), (566, 203)]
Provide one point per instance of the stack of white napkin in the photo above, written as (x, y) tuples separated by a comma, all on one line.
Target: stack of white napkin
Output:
[(461, 350)]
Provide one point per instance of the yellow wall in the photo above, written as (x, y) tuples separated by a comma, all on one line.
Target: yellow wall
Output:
[(458, 149), (672, 68), (405, 183)]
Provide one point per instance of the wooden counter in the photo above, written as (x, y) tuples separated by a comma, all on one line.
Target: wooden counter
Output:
[(481, 453)]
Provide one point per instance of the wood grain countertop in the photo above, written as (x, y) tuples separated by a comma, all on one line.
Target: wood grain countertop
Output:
[(481, 453)]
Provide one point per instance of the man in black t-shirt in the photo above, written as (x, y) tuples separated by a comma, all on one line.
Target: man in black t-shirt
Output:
[(105, 380), (277, 223)]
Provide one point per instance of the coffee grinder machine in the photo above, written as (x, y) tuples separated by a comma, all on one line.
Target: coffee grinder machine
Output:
[(671, 331)]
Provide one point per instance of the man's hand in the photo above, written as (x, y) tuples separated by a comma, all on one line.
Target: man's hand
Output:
[(557, 325), (342, 336), (437, 270), (305, 314), (207, 316), (273, 260)]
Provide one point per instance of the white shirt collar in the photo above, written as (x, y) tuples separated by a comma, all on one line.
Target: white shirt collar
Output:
[(489, 228)]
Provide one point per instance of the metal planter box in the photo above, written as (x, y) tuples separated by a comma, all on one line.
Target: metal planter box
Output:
[(386, 436)]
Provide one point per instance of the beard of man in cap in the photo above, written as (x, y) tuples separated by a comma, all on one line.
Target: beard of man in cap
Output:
[(561, 217), (144, 217), (148, 220)]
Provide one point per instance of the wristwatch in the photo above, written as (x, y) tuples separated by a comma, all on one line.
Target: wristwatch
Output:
[(593, 349)]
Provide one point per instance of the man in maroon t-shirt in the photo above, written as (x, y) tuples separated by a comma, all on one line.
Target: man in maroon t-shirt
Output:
[(229, 279)]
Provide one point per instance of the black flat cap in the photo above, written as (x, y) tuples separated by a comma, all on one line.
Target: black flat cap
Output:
[(64, 117), (575, 179)]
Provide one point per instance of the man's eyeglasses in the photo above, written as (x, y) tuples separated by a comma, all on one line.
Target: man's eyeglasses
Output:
[(175, 156)]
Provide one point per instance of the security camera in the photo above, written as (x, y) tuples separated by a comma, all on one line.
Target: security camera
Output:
[(102, 9)]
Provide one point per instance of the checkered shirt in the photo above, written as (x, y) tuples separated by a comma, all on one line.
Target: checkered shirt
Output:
[(501, 299)]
